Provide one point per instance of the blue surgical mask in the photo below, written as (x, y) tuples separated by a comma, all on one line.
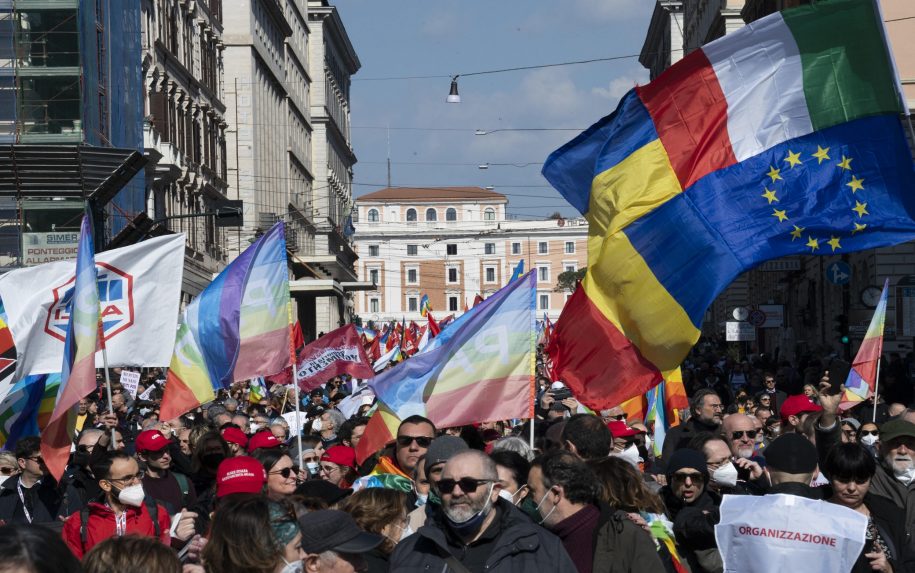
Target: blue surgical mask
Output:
[(474, 522)]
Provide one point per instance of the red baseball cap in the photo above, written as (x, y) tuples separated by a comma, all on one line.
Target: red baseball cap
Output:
[(151, 441), (235, 436), (241, 474), (340, 455), (619, 429), (263, 439), (795, 405)]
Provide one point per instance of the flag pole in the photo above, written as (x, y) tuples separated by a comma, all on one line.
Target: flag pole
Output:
[(876, 390), (295, 382), (101, 338)]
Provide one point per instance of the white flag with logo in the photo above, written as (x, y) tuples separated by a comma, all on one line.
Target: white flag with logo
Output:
[(779, 532), (139, 292)]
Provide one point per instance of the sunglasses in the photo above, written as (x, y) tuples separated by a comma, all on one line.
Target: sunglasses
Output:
[(468, 485), (421, 441), (695, 478), (748, 433), (287, 472), (870, 432), (7, 471)]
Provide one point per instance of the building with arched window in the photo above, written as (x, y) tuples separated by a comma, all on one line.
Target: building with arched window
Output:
[(373, 215), (475, 253)]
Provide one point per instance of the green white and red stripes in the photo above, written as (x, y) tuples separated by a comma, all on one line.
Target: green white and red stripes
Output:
[(784, 76)]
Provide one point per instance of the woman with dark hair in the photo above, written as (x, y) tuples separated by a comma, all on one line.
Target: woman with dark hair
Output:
[(513, 470), (35, 549), (209, 451), (623, 488), (282, 473), (131, 553), (850, 469), (251, 534), (382, 511)]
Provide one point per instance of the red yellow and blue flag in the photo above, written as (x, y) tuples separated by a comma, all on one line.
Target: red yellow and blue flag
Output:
[(781, 138)]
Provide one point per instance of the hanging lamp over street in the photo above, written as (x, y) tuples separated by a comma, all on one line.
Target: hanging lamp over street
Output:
[(453, 95)]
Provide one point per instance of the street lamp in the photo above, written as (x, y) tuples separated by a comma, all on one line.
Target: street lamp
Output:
[(453, 95)]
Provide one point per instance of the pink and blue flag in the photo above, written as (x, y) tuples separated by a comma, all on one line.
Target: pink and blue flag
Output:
[(862, 378), (77, 377), (236, 329)]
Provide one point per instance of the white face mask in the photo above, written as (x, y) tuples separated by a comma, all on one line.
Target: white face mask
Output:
[(630, 454), (421, 499), (294, 567), (905, 476), (132, 495), (255, 428), (869, 439), (3, 479), (545, 517), (725, 476), (406, 532), (313, 467), (648, 442)]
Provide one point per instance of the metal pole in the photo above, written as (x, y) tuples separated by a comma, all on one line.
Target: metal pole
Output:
[(876, 391), (107, 386), (295, 383)]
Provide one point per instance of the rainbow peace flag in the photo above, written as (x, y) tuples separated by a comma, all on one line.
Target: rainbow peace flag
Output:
[(77, 377), (657, 413), (781, 138), (862, 378), (483, 370), (424, 305), (236, 329)]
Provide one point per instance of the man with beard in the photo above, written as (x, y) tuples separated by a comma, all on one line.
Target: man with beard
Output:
[(895, 477), (705, 416), (477, 530), (740, 433)]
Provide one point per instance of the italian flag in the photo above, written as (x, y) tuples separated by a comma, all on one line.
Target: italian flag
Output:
[(778, 78)]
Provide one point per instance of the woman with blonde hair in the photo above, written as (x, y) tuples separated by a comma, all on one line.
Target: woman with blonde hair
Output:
[(382, 511)]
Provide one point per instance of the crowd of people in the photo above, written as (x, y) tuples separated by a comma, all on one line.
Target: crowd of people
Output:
[(240, 486)]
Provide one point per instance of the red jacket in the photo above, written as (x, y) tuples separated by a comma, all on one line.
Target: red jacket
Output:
[(102, 525)]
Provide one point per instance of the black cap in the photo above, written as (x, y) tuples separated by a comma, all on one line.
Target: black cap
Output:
[(791, 453), (686, 458), (333, 530), (323, 490)]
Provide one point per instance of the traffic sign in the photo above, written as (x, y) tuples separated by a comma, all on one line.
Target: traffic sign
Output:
[(838, 273), (739, 332), (757, 317)]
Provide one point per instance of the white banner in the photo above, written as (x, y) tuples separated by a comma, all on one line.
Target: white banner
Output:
[(139, 292), (130, 380), (777, 532)]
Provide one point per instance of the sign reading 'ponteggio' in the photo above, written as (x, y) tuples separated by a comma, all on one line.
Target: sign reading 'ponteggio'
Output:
[(777, 532)]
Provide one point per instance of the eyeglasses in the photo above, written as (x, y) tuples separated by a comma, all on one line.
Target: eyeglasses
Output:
[(739, 434), (37, 459), (330, 468), (468, 485), (311, 459), (421, 441), (870, 432), (716, 406), (127, 479), (287, 472), (681, 478), (7, 471)]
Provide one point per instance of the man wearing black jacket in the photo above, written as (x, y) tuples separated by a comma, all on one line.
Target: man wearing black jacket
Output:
[(34, 496), (705, 416)]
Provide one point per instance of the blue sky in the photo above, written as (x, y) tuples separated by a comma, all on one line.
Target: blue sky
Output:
[(444, 38)]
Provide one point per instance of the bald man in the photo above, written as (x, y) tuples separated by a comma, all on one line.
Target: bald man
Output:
[(740, 433)]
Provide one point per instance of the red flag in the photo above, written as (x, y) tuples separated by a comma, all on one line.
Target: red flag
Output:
[(337, 352), (375, 350), (393, 340), (433, 326), (409, 342), (477, 300), (298, 339)]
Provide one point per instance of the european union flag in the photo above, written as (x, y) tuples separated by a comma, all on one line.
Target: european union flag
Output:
[(839, 190)]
